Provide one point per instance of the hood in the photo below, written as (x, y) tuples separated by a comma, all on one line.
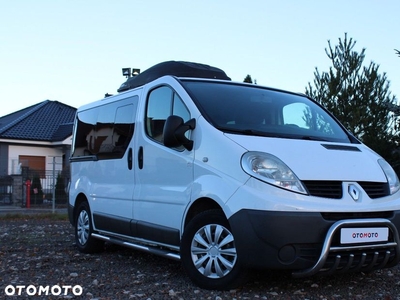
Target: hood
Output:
[(317, 160)]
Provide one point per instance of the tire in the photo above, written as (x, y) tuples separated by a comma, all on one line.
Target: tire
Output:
[(208, 253), (84, 229)]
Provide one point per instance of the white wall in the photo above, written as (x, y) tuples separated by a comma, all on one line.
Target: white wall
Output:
[(49, 153)]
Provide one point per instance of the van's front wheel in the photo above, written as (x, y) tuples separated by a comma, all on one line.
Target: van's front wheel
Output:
[(83, 231), (208, 252)]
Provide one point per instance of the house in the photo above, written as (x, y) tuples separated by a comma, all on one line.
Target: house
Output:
[(35, 139)]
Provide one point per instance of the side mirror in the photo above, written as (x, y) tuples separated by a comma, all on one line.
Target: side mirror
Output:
[(174, 132)]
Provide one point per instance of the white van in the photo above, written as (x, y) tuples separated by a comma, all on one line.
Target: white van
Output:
[(229, 177)]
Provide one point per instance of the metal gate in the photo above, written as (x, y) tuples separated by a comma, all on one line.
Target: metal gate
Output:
[(6, 185)]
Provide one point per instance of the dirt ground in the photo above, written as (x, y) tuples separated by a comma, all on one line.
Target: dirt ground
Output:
[(39, 251)]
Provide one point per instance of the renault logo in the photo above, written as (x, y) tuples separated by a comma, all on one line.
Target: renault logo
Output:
[(354, 192)]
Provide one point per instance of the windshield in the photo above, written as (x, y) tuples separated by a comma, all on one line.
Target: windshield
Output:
[(254, 110)]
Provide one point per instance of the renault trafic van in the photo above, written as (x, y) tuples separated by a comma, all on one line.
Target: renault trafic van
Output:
[(227, 177)]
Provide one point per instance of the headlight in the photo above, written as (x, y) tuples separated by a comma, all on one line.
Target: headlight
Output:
[(391, 176), (271, 169)]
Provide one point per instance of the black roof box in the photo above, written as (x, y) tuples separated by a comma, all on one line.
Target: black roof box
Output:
[(175, 68)]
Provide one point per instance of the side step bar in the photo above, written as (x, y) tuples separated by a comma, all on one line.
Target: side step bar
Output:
[(137, 246)]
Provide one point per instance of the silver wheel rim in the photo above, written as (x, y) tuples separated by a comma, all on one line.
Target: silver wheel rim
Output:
[(213, 251), (82, 227)]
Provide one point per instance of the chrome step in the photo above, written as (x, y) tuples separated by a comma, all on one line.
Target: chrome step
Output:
[(137, 246)]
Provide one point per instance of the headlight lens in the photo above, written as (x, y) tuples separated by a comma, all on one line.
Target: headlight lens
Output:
[(391, 176), (271, 169)]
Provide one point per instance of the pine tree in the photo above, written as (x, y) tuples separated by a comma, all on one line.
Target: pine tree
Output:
[(357, 95), (248, 79), (61, 196)]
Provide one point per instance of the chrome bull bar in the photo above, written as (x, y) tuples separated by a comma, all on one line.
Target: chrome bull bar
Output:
[(327, 249)]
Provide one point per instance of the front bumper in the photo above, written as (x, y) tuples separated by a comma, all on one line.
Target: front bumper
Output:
[(309, 242)]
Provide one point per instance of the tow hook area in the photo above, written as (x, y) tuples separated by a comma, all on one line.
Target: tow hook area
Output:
[(357, 245)]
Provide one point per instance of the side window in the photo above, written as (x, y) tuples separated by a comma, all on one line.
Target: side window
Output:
[(105, 131), (163, 102), (180, 109), (85, 125), (159, 107), (124, 127), (100, 141)]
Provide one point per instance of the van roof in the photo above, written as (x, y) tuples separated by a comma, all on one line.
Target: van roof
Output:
[(174, 68)]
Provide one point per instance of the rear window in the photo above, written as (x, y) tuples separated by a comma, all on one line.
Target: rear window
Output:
[(249, 109)]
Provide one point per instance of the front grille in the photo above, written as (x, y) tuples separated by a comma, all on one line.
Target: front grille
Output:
[(375, 189), (325, 189), (334, 189)]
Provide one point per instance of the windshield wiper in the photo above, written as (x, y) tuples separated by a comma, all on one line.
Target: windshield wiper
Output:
[(249, 132), (271, 134), (313, 138)]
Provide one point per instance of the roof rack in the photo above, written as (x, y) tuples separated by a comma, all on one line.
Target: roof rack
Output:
[(174, 68)]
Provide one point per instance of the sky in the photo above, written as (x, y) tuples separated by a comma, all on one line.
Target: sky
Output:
[(74, 51)]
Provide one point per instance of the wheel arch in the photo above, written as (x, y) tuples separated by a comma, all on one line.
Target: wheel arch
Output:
[(208, 251), (200, 205), (79, 199)]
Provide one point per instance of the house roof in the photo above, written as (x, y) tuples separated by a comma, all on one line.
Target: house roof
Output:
[(46, 121)]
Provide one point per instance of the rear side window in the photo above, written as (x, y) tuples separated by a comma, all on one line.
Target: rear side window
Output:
[(105, 131)]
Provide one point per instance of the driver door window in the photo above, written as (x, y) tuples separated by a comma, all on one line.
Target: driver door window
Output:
[(162, 103)]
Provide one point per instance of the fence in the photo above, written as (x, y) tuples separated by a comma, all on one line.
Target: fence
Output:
[(48, 185), (6, 190), (44, 187)]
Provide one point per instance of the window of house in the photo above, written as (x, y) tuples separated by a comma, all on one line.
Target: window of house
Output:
[(34, 163)]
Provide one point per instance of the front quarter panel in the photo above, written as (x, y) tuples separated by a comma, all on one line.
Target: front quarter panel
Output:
[(217, 171)]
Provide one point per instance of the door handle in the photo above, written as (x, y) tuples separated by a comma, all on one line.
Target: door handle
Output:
[(130, 160), (140, 158)]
